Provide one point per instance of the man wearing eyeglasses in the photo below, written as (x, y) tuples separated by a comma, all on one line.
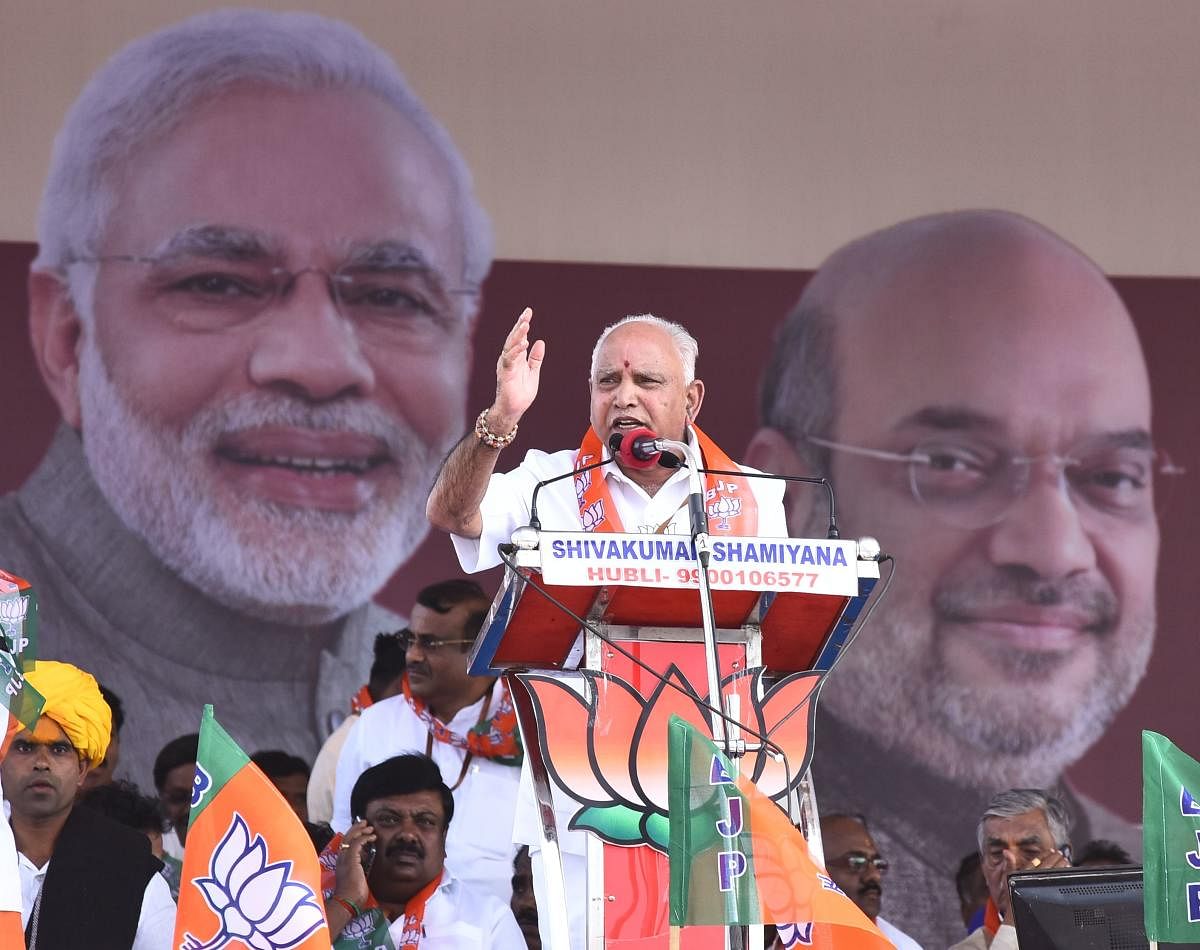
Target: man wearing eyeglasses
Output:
[(853, 861), (253, 300), (465, 723), (975, 389), (1022, 829)]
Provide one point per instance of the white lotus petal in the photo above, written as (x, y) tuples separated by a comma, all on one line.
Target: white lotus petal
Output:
[(291, 895), (214, 893), (261, 942), (306, 920), (232, 847), (246, 867), (258, 896), (235, 923)]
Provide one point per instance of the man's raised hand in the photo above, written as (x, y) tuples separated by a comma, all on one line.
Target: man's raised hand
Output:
[(517, 373)]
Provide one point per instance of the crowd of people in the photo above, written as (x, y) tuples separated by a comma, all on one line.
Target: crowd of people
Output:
[(398, 845), (260, 344)]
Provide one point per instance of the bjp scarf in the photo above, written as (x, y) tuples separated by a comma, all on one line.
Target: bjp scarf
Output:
[(728, 499), (369, 930), (494, 737)]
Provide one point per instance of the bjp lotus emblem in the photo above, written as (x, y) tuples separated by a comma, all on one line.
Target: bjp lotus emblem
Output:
[(619, 774)]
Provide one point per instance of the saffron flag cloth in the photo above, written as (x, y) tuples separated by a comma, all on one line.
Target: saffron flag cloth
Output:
[(250, 874), (736, 858), (1170, 841), (11, 932)]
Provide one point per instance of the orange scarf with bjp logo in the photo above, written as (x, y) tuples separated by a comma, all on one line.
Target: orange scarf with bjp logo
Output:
[(728, 499)]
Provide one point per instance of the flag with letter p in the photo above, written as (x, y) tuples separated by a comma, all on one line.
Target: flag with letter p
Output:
[(1170, 841), (736, 858), (250, 873)]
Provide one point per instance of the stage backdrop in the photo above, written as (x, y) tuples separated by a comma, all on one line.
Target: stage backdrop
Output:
[(733, 314)]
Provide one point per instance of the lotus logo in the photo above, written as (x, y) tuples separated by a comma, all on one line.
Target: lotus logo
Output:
[(723, 509), (256, 901), (619, 775), (592, 515), (13, 610)]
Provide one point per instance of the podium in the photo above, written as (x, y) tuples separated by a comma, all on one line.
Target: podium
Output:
[(593, 721)]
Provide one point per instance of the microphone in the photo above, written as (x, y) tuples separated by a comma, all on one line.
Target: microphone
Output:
[(641, 448)]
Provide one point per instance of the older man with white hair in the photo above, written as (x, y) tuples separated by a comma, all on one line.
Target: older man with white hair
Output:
[(253, 299)]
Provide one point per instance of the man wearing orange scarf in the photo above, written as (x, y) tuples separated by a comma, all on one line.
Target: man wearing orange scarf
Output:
[(465, 724), (385, 881), (643, 375)]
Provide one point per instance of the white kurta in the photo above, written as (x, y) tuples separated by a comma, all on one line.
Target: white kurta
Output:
[(458, 917), (505, 507)]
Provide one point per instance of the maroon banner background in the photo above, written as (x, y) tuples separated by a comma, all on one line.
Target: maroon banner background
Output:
[(733, 313)]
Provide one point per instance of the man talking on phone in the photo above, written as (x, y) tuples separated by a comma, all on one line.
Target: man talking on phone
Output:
[(389, 885)]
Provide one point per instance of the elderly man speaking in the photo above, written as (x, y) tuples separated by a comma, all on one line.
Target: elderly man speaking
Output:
[(86, 881)]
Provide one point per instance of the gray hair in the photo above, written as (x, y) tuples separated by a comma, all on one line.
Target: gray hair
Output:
[(685, 344), (1018, 801), (145, 91), (799, 386)]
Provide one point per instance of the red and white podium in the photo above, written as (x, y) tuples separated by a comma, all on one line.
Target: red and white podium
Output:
[(593, 721)]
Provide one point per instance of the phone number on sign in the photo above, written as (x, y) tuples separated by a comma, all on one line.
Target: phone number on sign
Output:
[(770, 579)]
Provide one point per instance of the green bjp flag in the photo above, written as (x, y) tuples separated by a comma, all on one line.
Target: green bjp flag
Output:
[(1170, 841), (736, 858)]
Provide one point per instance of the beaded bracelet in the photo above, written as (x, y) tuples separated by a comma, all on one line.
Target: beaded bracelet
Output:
[(488, 437), (351, 908)]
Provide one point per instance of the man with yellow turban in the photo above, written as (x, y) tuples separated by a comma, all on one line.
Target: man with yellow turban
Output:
[(86, 881)]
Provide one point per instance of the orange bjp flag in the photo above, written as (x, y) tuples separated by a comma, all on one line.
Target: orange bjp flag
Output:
[(250, 873)]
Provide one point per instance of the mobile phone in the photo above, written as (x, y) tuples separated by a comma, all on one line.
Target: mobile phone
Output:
[(367, 854)]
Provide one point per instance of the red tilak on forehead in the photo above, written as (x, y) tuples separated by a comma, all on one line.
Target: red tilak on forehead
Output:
[(627, 364)]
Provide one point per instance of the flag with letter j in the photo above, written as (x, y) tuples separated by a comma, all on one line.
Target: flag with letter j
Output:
[(250, 873), (1170, 841), (736, 858)]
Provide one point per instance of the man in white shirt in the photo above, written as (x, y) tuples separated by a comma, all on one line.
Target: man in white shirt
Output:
[(1022, 829), (402, 881), (453, 718), (86, 881), (856, 866), (643, 376)]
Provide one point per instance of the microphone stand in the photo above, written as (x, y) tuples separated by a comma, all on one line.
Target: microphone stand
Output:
[(534, 522), (700, 543)]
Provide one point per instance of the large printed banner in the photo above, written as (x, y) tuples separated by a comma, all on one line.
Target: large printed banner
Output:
[(734, 315)]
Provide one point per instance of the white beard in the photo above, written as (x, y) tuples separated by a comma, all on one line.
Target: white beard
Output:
[(275, 562)]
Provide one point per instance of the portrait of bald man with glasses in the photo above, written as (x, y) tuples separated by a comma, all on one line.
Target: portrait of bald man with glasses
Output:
[(976, 391), (253, 302)]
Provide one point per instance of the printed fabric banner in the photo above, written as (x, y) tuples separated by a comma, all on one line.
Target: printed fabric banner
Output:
[(250, 874), (1171, 841), (736, 858)]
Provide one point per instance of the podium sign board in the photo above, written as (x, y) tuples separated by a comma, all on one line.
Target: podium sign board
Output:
[(594, 720)]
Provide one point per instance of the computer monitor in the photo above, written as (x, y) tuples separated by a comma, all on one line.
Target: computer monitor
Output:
[(1079, 909)]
